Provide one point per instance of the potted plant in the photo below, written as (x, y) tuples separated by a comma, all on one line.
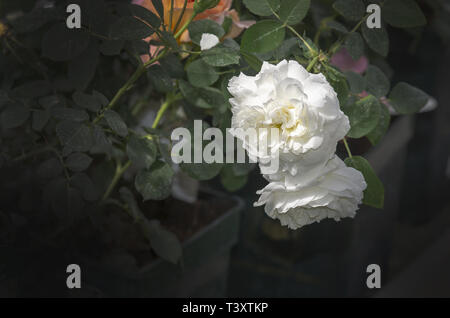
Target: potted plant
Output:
[(94, 93)]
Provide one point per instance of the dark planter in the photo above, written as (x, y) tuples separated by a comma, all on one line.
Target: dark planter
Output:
[(373, 229), (202, 273), (328, 258)]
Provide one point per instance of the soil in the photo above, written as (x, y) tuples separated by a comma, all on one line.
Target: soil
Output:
[(186, 219)]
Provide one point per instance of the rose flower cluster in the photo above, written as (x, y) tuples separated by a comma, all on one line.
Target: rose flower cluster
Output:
[(312, 183)]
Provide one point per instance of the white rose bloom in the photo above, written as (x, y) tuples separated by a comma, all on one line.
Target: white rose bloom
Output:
[(334, 192), (301, 105), (208, 41)]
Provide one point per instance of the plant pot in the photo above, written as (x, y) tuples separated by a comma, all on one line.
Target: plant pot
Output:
[(328, 258), (202, 272)]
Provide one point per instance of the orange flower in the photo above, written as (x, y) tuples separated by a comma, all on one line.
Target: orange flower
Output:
[(177, 11), (217, 14)]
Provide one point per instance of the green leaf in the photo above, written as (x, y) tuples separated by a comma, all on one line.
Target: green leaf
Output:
[(377, 83), (197, 28), (116, 123), (338, 82), (403, 14), (407, 99), (262, 7), (66, 113), (74, 135), (78, 161), (40, 119), (354, 45), (363, 115), (159, 8), (145, 15), (33, 89), (111, 47), (138, 47), (293, 11), (14, 115), (356, 81), (50, 101), (81, 70), (230, 181), (206, 97), (100, 98), (201, 171), (86, 101), (87, 188), (172, 65), (220, 56), (263, 36), (128, 197), (203, 5), (164, 243), (49, 169), (377, 39), (160, 79), (62, 44), (130, 28), (155, 183), (101, 143), (288, 48), (374, 193), (252, 60), (201, 74), (142, 151), (334, 25), (350, 9), (380, 130)]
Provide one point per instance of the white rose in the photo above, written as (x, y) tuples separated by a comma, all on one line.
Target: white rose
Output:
[(333, 192), (208, 41), (301, 105)]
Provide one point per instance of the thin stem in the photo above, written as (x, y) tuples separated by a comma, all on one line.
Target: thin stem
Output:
[(322, 26), (33, 153), (171, 15), (160, 113), (118, 174), (181, 15), (301, 38), (170, 99), (139, 71), (312, 63), (184, 27), (121, 91), (347, 147)]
